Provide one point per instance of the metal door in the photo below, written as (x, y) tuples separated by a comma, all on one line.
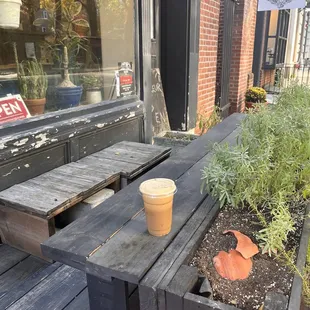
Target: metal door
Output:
[(155, 33), (223, 102)]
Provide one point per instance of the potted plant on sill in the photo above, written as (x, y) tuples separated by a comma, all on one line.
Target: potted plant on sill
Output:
[(33, 85), (93, 85), (65, 42), (255, 95)]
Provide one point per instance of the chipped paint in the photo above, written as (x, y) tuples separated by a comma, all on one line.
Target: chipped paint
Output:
[(27, 166), (131, 114), (71, 136), (138, 106), (42, 140), (2, 146), (54, 140), (101, 125), (48, 157), (14, 151), (21, 142), (10, 172)]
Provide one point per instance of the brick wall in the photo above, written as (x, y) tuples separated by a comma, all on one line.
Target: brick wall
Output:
[(210, 54), (209, 27), (242, 53)]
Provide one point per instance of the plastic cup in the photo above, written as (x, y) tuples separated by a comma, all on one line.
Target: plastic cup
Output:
[(158, 197)]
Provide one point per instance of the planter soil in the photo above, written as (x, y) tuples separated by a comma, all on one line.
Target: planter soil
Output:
[(268, 274)]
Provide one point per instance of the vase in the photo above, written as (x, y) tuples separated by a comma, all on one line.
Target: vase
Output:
[(10, 14), (35, 106)]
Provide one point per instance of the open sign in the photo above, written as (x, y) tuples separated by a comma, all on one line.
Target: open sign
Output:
[(12, 108)]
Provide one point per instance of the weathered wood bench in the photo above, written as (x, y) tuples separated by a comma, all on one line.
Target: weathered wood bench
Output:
[(28, 210), (111, 243)]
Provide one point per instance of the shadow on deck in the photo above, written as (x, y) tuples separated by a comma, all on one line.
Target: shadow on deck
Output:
[(30, 283)]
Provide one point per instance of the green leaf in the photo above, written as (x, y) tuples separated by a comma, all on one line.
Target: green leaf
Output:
[(81, 22), (75, 9)]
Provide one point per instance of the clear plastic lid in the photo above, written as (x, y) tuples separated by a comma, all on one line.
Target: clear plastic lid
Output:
[(158, 187)]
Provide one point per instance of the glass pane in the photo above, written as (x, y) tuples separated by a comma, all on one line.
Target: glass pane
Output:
[(68, 52), (273, 23), (270, 53)]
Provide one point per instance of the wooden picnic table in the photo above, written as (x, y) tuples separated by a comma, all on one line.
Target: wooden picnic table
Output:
[(126, 267)]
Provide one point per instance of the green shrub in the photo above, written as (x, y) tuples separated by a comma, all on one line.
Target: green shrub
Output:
[(268, 171), (32, 80), (207, 122), (255, 95), (269, 168)]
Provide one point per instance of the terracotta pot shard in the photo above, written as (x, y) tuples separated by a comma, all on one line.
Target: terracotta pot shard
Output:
[(232, 266), (245, 245)]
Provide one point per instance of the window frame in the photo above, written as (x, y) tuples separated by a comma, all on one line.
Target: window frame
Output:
[(66, 114), (280, 38)]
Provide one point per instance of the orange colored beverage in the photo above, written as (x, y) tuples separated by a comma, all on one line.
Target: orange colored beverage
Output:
[(158, 197)]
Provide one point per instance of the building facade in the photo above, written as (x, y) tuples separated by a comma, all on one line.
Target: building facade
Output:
[(109, 49)]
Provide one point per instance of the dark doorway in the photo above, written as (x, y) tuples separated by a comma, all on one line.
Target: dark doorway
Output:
[(225, 56), (155, 33), (180, 25)]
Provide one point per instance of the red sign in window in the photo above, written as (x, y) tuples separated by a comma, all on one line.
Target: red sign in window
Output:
[(126, 79), (12, 108)]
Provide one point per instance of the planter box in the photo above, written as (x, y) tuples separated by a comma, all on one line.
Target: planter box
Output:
[(184, 291), (174, 139)]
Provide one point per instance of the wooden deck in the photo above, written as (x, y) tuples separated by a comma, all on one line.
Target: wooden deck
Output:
[(30, 283)]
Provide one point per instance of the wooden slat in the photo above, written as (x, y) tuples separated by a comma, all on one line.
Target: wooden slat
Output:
[(195, 302), (9, 257), (54, 292), (146, 148), (80, 302), (24, 231), (132, 152), (132, 251), (113, 166), (296, 297), (74, 243), (19, 273), (23, 288), (166, 262), (183, 282), (45, 197)]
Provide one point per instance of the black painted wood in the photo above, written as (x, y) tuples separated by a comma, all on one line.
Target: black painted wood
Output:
[(275, 301), (101, 293), (19, 273), (80, 179), (186, 254), (125, 130), (195, 227), (27, 285), (132, 251), (195, 302), (54, 292), (80, 302), (296, 291), (9, 257), (51, 140), (26, 167), (74, 243), (184, 280)]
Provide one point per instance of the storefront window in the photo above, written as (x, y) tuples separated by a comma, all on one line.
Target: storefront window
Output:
[(66, 53), (276, 38)]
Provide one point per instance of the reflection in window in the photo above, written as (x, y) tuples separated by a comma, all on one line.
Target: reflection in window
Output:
[(273, 23), (75, 52), (270, 54), (276, 38)]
